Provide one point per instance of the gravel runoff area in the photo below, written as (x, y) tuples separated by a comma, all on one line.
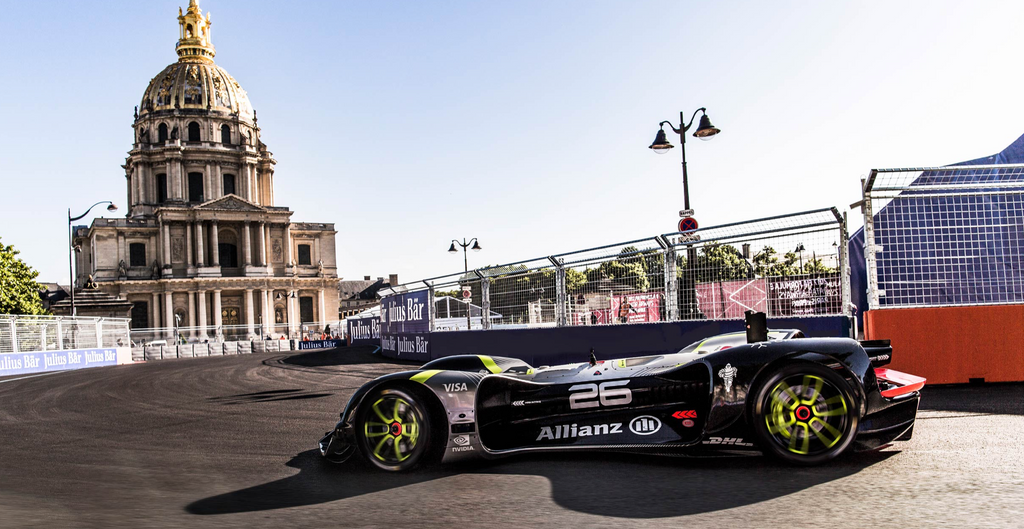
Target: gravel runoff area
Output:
[(229, 442)]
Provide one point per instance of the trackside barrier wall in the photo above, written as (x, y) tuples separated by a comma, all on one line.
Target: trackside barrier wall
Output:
[(944, 254), (668, 287), (36, 362), (953, 345), (555, 346), (164, 352)]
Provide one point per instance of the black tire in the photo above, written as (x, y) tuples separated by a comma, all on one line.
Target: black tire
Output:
[(804, 414), (393, 429)]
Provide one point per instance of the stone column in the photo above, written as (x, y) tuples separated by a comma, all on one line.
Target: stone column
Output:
[(169, 311), (191, 315), (154, 311), (200, 250), (268, 315), (214, 244), (261, 241), (218, 321), (218, 182), (288, 245), (202, 315), (247, 244), (166, 233), (250, 317), (188, 246), (266, 242), (207, 184), (322, 308)]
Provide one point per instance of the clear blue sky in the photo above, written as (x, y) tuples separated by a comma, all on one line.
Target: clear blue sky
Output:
[(525, 124)]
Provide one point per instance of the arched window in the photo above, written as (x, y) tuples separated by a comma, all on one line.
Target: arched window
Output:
[(161, 188), (195, 187), (193, 131), (225, 135), (229, 184), (161, 133), (188, 31), (227, 248)]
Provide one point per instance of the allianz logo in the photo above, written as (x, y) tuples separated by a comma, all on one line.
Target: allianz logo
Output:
[(643, 425)]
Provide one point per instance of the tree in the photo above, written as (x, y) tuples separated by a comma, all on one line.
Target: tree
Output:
[(19, 292)]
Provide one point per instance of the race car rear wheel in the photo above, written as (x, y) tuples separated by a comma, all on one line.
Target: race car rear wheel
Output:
[(805, 414), (393, 429)]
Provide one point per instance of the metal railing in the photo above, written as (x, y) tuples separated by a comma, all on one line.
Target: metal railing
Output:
[(230, 333), (944, 236), (787, 265), (22, 334)]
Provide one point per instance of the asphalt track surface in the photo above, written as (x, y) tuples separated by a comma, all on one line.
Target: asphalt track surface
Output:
[(229, 442)]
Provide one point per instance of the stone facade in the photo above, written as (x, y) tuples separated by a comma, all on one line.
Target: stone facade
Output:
[(202, 239)]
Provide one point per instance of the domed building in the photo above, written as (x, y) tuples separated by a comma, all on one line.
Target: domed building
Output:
[(203, 245)]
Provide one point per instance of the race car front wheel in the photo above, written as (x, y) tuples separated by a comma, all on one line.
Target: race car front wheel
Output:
[(805, 414), (393, 429)]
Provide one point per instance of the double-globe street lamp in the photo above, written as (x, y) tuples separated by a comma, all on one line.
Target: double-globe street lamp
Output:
[(465, 265), (705, 131), (71, 246)]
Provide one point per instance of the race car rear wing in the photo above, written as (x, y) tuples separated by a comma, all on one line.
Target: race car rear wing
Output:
[(879, 351)]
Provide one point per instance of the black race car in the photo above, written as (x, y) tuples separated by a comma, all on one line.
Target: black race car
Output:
[(804, 400)]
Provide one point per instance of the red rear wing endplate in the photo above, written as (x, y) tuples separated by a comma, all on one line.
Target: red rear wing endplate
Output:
[(905, 383)]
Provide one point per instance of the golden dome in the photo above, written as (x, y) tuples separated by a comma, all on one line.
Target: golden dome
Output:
[(195, 82)]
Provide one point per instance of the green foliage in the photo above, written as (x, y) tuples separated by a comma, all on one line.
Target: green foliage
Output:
[(19, 292), (721, 262)]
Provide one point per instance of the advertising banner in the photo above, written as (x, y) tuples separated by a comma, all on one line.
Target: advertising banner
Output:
[(805, 297), (319, 344), (730, 299), (405, 325), (636, 308), (364, 331), (20, 363)]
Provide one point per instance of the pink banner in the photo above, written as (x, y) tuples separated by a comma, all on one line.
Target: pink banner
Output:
[(636, 308), (730, 299)]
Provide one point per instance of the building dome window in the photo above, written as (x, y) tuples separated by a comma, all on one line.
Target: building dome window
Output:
[(193, 131)]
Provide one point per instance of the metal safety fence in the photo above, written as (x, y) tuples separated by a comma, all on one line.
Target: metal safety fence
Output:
[(230, 333), (944, 236), (786, 265), (22, 334)]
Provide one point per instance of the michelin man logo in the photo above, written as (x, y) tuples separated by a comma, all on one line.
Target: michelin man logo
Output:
[(728, 373)]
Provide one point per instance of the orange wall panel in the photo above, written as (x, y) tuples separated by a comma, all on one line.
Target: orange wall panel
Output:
[(951, 345)]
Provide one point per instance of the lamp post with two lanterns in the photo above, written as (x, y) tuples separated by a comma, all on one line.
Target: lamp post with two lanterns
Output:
[(465, 265), (705, 131)]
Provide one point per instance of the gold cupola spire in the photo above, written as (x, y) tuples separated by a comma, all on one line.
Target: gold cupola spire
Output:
[(194, 38)]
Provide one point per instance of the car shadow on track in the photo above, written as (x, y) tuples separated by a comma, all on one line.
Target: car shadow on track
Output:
[(997, 399), (605, 484), (342, 356)]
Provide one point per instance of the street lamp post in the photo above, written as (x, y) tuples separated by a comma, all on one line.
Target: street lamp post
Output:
[(71, 246), (465, 265), (705, 131)]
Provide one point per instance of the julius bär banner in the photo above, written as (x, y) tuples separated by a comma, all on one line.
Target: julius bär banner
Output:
[(19, 363), (364, 331), (405, 325)]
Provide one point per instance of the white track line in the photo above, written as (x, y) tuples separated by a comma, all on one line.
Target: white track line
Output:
[(30, 376)]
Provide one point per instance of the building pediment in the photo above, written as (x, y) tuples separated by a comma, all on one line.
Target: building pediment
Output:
[(230, 203)]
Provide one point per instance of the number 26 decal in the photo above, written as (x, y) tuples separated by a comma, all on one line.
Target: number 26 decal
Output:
[(606, 394)]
